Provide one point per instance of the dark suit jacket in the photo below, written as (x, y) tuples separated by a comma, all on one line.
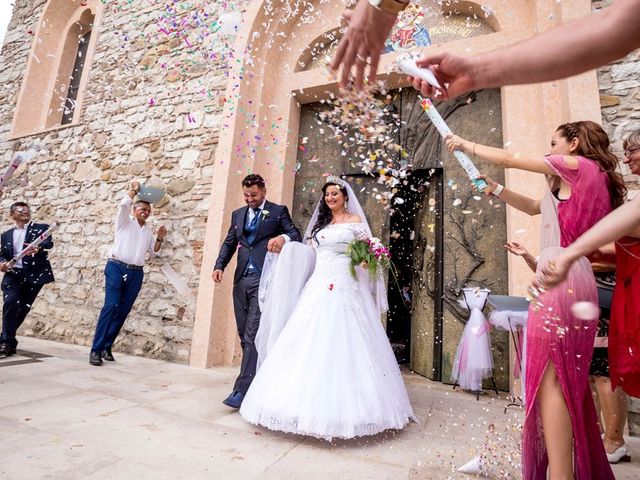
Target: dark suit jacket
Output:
[(36, 268), (277, 222)]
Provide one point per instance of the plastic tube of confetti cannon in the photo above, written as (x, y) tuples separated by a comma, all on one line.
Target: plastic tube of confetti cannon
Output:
[(41, 238), (408, 65), (18, 159), (463, 158)]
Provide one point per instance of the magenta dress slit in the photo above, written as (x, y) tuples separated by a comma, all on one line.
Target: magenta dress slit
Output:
[(555, 336)]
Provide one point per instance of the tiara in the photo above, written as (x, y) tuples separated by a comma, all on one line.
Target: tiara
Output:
[(337, 180)]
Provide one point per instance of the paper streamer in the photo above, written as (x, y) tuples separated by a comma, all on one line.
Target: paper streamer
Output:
[(41, 238), (443, 128), (176, 280)]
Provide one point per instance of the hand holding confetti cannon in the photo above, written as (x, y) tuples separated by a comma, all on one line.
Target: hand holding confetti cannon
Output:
[(31, 248), (462, 157)]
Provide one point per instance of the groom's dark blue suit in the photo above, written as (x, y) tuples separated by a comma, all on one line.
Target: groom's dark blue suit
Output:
[(249, 237), (20, 286)]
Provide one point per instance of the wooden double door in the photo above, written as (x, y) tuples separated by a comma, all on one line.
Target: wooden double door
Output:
[(444, 235)]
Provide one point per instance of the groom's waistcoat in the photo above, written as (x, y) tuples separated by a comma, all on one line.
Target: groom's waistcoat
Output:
[(275, 220)]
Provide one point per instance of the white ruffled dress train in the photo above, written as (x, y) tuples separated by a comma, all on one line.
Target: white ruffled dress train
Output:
[(331, 372)]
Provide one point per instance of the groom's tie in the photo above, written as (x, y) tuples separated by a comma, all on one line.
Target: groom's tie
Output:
[(252, 228)]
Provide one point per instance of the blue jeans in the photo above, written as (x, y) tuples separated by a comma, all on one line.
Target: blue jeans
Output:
[(122, 286)]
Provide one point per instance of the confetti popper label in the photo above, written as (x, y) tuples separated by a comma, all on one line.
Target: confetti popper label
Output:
[(463, 158), (41, 238)]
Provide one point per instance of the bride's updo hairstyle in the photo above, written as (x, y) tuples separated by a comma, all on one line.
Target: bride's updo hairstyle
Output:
[(324, 212)]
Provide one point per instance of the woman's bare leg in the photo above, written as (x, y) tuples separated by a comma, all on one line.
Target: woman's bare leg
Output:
[(596, 401), (614, 410), (557, 427)]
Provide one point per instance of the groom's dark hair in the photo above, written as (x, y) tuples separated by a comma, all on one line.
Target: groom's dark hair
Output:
[(253, 179)]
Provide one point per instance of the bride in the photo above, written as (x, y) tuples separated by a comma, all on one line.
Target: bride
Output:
[(331, 371)]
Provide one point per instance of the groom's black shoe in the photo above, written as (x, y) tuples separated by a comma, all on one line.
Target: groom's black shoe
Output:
[(95, 359), (234, 400), (6, 350), (107, 355)]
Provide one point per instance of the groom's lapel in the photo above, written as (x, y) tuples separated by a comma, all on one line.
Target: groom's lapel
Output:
[(268, 207), (8, 238)]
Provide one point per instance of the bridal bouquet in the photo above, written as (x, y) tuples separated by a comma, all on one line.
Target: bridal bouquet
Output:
[(371, 254)]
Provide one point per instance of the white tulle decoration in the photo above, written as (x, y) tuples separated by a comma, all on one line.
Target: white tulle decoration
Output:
[(473, 360)]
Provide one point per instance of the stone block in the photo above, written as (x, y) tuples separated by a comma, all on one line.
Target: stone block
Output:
[(86, 171), (609, 100), (625, 70), (180, 186), (189, 159), (173, 76), (138, 168)]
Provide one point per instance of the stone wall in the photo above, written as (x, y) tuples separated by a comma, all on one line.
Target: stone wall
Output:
[(152, 111), (620, 101)]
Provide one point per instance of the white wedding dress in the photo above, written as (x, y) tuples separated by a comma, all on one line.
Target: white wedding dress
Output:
[(331, 371)]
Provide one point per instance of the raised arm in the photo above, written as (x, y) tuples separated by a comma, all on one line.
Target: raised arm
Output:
[(124, 209), (623, 221), (363, 42), (525, 204), (498, 156), (566, 50)]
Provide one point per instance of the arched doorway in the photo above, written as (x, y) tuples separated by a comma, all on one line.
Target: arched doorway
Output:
[(265, 97)]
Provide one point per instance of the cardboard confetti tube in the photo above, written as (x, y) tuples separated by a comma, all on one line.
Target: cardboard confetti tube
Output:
[(41, 238), (463, 158)]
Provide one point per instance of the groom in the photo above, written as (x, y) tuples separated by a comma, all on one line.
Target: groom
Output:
[(259, 227)]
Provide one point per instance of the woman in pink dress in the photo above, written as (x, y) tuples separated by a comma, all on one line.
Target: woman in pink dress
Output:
[(561, 433)]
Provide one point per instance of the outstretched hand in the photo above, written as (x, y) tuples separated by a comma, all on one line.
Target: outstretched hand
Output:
[(516, 248), (363, 42), (455, 74), (554, 272)]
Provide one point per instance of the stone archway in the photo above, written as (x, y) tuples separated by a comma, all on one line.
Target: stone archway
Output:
[(264, 98), (51, 64)]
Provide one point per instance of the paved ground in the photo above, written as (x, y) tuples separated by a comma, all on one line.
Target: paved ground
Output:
[(141, 419)]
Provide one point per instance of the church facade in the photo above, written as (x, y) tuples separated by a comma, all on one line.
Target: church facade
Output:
[(193, 96)]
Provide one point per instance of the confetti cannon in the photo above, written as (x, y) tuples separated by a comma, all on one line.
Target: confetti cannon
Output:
[(41, 238), (463, 158), (18, 159)]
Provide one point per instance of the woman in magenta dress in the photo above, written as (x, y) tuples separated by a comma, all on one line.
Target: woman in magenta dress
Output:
[(622, 227), (561, 434)]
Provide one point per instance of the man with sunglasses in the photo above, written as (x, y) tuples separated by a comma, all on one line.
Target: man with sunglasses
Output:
[(22, 282)]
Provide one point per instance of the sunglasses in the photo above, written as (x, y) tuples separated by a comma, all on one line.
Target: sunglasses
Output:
[(630, 151)]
